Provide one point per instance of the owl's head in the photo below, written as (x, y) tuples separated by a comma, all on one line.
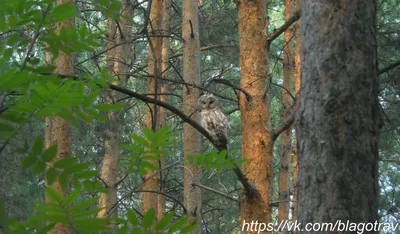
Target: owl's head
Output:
[(207, 102)]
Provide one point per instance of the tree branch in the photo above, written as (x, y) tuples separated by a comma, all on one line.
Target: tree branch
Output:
[(283, 28), (249, 189), (183, 83), (215, 191), (181, 54), (167, 106), (397, 162), (165, 195), (226, 82), (388, 68), (283, 128)]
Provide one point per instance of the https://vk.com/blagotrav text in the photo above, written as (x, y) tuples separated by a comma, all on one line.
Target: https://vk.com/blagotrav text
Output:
[(339, 225)]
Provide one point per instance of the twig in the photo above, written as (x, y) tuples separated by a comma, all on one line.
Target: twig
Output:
[(397, 162), (141, 184), (215, 191), (184, 83), (147, 17), (388, 68), (287, 91), (35, 37), (283, 128), (226, 82), (104, 182), (164, 194)]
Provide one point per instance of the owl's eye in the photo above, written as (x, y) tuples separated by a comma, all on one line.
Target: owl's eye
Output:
[(204, 102), (211, 101)]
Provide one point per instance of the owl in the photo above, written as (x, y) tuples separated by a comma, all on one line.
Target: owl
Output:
[(213, 120)]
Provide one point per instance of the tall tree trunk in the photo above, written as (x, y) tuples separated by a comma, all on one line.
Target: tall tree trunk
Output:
[(297, 88), (164, 89), (118, 61), (255, 116), (286, 137), (109, 170), (338, 116), (153, 86), (58, 131), (191, 74)]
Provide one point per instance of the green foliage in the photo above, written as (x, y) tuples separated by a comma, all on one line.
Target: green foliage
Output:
[(149, 224), (146, 149), (215, 160), (62, 210), (78, 213), (62, 170)]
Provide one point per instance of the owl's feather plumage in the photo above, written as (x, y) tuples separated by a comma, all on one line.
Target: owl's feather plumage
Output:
[(213, 120)]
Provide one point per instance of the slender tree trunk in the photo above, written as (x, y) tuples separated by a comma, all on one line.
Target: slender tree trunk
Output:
[(191, 74), (58, 131), (286, 137), (297, 88), (153, 86), (255, 116), (338, 116), (118, 61), (109, 170), (164, 89)]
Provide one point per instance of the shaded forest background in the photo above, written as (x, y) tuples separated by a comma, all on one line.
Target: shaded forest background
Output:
[(22, 189)]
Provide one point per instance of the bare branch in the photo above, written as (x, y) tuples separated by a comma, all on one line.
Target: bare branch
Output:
[(215, 191), (226, 82), (283, 28), (35, 37), (397, 162), (388, 68), (283, 128), (165, 195)]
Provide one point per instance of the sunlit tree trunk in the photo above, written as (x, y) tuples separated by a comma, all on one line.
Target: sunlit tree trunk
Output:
[(118, 61), (255, 115), (338, 116), (164, 89), (287, 101), (297, 90), (150, 199), (58, 131), (191, 74)]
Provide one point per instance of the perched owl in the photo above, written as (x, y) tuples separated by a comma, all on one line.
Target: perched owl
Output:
[(213, 120)]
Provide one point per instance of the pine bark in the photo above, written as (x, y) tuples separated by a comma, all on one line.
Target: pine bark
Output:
[(297, 90), (118, 61), (152, 183), (164, 89), (192, 140), (255, 116), (286, 112), (338, 116), (58, 131)]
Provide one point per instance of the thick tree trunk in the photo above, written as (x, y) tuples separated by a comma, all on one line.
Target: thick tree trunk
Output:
[(286, 137), (297, 88), (337, 122), (164, 89), (191, 74), (255, 117), (58, 131), (118, 61), (150, 199)]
